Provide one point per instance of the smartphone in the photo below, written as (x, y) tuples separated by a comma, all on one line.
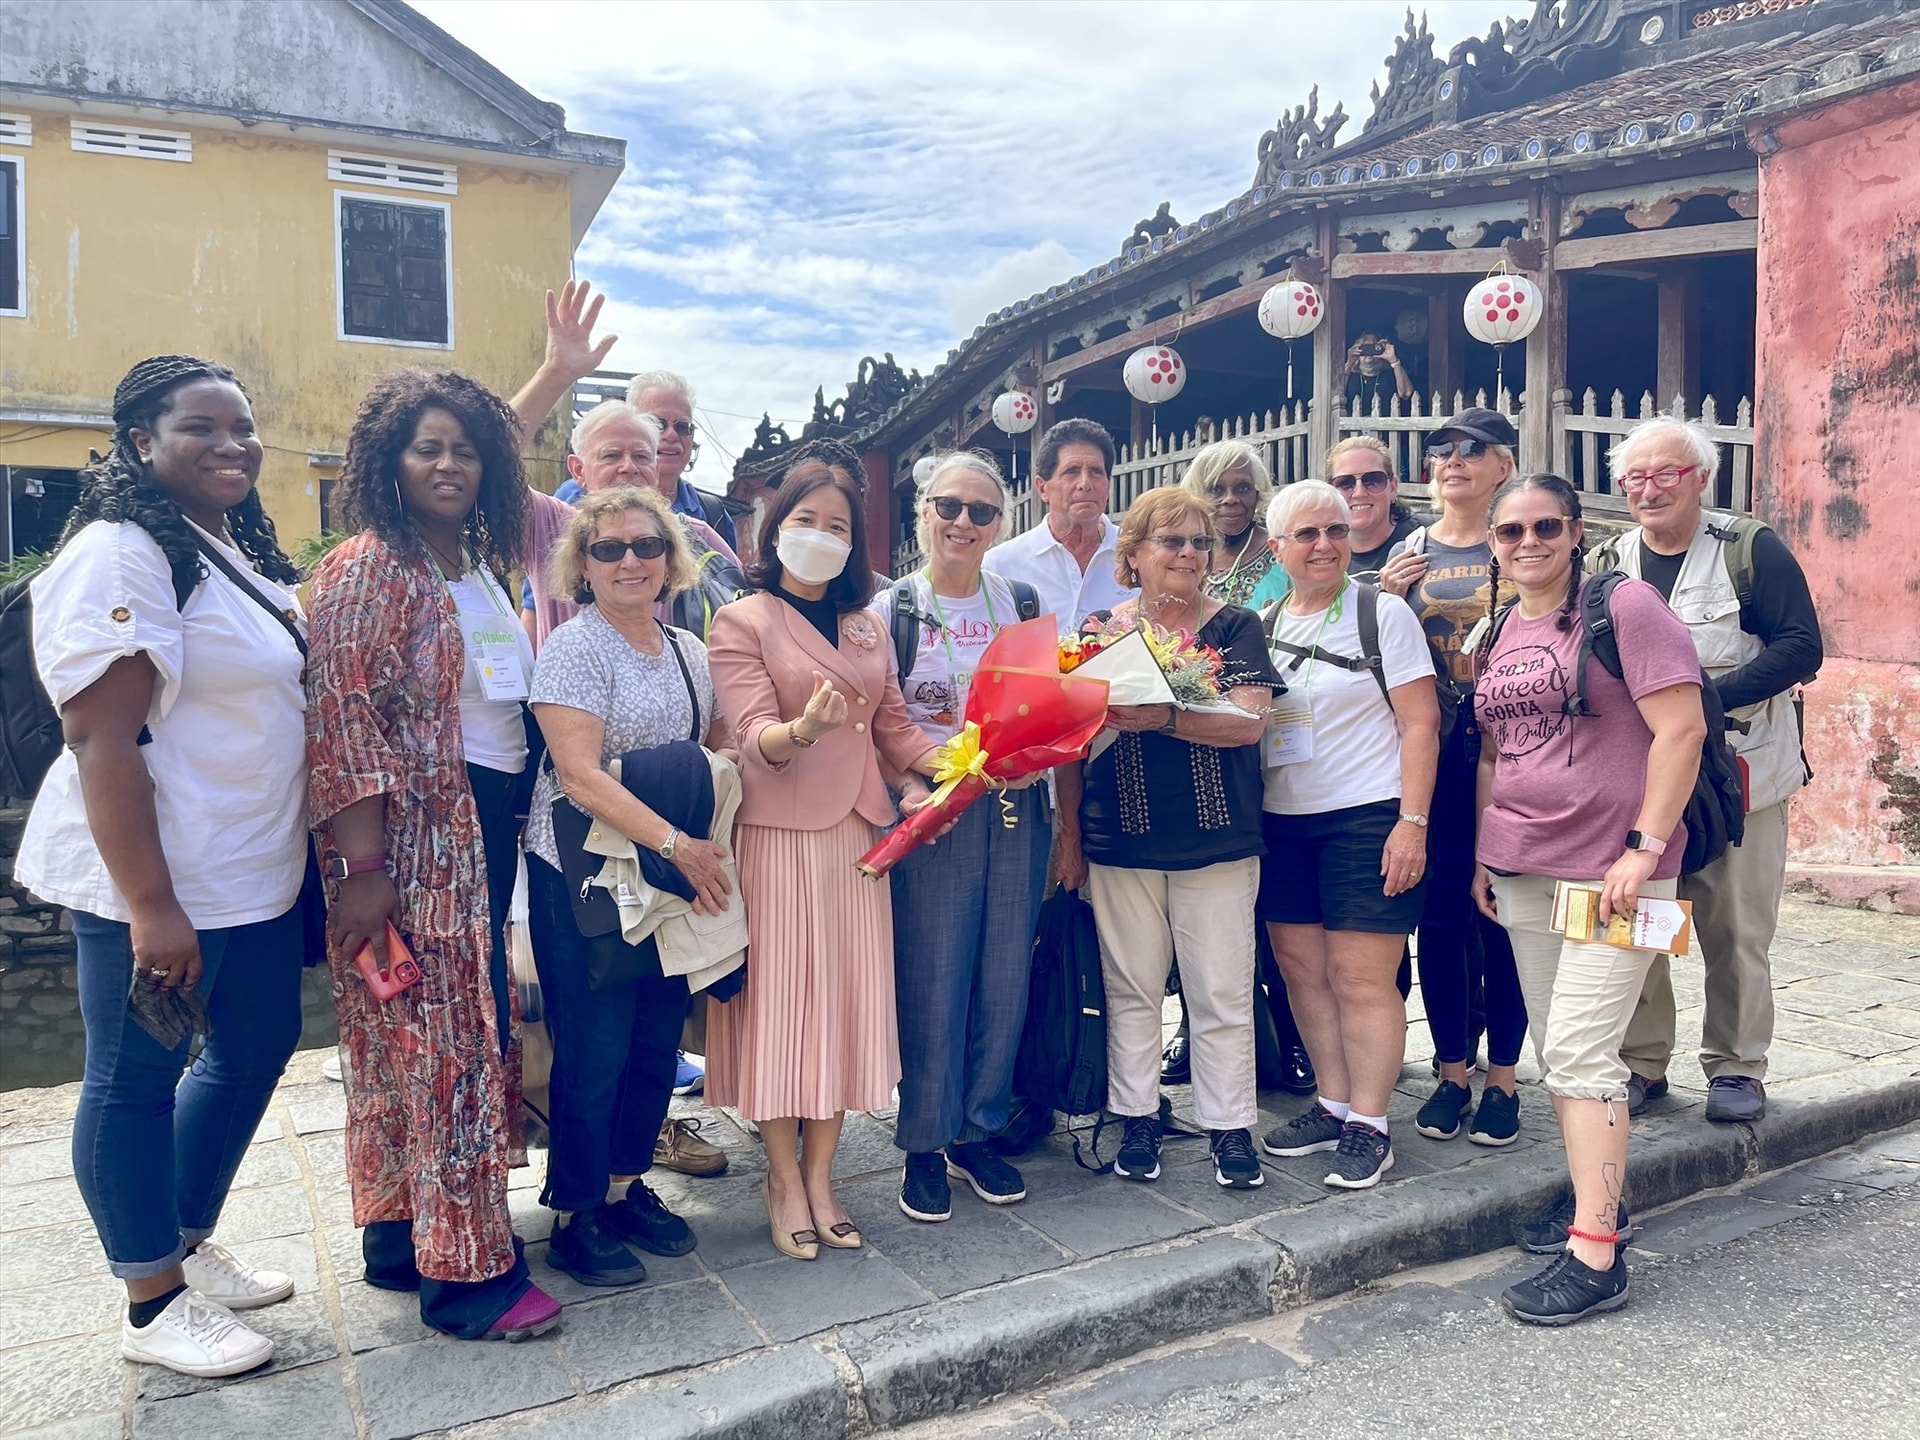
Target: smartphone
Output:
[(402, 973), (1373, 350)]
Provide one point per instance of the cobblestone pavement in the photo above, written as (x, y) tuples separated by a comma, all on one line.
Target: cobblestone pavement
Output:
[(354, 1361)]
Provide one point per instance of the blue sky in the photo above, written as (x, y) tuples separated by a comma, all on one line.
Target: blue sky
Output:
[(808, 183)]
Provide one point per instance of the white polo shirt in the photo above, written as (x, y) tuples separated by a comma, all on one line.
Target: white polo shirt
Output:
[(228, 720), (1067, 593)]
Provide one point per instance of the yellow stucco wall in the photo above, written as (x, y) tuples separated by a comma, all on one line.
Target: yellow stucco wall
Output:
[(232, 256)]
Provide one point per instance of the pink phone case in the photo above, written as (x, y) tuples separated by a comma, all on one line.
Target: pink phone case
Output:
[(402, 972)]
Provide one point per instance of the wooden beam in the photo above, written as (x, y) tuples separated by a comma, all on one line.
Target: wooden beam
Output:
[(1643, 245), (1329, 355), (1415, 262), (1158, 332), (1677, 365), (1546, 347)]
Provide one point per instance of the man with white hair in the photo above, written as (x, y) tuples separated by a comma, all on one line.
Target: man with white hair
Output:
[(1746, 603), (668, 398)]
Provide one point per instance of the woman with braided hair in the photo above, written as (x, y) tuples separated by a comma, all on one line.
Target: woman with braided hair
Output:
[(173, 828), (1594, 798), (417, 741)]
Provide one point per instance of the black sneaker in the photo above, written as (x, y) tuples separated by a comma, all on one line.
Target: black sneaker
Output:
[(1640, 1090), (1440, 1117), (1176, 1061), (924, 1192), (587, 1248), (1735, 1098), (992, 1178), (1313, 1129), (1364, 1155), (643, 1219), (1545, 1237), (1567, 1290), (1235, 1166), (1139, 1157), (1496, 1120)]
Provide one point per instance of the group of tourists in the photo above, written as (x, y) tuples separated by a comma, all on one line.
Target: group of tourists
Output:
[(675, 761)]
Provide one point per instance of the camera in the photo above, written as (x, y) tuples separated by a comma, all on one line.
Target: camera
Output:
[(1373, 351)]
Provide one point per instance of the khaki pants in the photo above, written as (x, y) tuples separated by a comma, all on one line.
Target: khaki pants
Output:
[(1579, 996), (1142, 915), (1736, 908)]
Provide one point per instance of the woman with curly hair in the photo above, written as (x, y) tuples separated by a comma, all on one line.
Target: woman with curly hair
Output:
[(417, 742), (173, 828)]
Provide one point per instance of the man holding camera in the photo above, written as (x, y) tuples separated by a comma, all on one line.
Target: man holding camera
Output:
[(1374, 373)]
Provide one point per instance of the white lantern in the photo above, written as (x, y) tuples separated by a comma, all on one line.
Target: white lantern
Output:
[(1154, 373), (1502, 309), (1015, 412), (923, 469), (1291, 309)]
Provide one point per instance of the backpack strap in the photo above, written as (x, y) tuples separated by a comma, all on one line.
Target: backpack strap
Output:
[(1739, 532), (1368, 615), (1026, 599), (255, 594), (1598, 639), (904, 621)]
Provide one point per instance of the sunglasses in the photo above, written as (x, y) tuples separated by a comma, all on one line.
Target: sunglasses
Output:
[(1374, 480), (1310, 534), (610, 552), (980, 512), (683, 428), (1513, 532), (1174, 544), (1465, 449)]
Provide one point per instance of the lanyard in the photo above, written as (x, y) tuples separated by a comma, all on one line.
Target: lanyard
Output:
[(1225, 581), (1327, 616), (946, 636)]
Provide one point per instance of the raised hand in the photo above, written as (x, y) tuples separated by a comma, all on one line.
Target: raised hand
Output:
[(826, 710), (571, 317)]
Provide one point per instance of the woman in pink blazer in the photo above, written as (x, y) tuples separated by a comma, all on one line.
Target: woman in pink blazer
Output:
[(804, 671)]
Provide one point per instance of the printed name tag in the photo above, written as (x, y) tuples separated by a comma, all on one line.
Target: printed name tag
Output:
[(494, 652), (1289, 737)]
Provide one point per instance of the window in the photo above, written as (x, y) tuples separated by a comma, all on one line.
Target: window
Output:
[(13, 245), (148, 144), (395, 262), (390, 171)]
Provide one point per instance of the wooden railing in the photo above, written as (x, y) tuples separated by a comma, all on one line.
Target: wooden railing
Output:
[(1280, 437), (1581, 439)]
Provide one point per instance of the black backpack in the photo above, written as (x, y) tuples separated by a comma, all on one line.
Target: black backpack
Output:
[(30, 734), (1367, 614), (1062, 1061), (1716, 813), (906, 621)]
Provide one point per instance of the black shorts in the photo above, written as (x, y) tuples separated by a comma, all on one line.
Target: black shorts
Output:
[(1325, 870)]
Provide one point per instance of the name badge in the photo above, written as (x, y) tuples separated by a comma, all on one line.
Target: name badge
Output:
[(494, 652), (1289, 737)]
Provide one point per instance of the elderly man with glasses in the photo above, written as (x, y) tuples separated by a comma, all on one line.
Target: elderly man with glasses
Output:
[(1746, 603)]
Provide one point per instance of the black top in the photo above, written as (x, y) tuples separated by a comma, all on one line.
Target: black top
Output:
[(1781, 614), (1368, 562), (822, 614), (1155, 802)]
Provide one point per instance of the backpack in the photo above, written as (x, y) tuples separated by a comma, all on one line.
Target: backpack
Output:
[(1062, 1060), (1738, 532), (30, 733), (719, 581), (906, 621), (1716, 813), (1367, 613)]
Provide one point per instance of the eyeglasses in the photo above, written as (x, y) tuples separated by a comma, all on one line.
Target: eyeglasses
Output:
[(1466, 449), (611, 552), (1374, 480), (1310, 534), (1174, 544), (1658, 479), (683, 428), (980, 512), (1513, 532)]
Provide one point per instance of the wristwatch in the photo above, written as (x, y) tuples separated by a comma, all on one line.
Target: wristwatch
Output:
[(669, 845), (1419, 820), (339, 867), (1173, 719), (1638, 841)]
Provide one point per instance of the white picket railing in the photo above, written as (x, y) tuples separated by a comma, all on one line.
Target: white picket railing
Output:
[(1280, 437), (1405, 424), (1581, 439)]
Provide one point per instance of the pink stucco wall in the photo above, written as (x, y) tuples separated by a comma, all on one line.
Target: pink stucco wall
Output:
[(1838, 422)]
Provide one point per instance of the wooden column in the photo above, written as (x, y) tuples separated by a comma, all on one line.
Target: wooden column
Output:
[(1444, 334), (1547, 345), (1329, 352), (1045, 422), (1677, 359)]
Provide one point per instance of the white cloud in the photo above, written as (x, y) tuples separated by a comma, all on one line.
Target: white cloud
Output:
[(810, 183)]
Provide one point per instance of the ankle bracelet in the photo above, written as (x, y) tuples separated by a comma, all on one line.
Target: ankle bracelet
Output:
[(1573, 1234)]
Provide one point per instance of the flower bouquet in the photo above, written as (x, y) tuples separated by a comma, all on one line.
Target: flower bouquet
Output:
[(1145, 665), (1023, 716)]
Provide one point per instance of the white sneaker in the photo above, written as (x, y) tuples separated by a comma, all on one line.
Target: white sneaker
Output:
[(330, 1067), (214, 1271), (195, 1337)]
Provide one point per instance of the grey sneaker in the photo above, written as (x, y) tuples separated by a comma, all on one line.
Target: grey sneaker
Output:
[(1640, 1090), (1316, 1129), (1735, 1097), (1363, 1157)]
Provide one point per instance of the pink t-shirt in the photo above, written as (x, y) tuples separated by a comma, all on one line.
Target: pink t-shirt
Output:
[(1567, 790)]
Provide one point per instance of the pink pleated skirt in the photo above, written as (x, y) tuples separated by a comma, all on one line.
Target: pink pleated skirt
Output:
[(813, 1033)]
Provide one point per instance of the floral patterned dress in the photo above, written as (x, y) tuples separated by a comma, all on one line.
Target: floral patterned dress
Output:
[(430, 1104), (1237, 582)]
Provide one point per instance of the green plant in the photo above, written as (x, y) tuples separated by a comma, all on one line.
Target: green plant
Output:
[(22, 565), (309, 552)]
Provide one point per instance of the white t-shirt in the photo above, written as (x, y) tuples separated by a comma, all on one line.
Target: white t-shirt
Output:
[(949, 655), (1356, 744), (492, 732), (228, 754), (1067, 592)]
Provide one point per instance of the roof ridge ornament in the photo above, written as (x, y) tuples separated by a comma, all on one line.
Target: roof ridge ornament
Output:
[(1412, 73), (1299, 134)]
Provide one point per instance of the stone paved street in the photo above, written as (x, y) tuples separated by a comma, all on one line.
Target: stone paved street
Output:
[(733, 1335)]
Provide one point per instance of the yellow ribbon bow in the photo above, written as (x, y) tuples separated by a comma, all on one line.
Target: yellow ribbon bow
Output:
[(960, 757)]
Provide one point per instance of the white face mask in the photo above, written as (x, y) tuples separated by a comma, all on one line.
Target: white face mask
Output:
[(812, 557)]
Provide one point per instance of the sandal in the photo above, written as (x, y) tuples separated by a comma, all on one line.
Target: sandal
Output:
[(799, 1244)]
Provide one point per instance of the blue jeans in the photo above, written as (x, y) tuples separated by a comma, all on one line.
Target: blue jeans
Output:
[(613, 1054), (963, 917), (155, 1153)]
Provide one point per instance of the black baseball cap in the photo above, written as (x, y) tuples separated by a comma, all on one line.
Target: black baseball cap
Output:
[(1478, 423)]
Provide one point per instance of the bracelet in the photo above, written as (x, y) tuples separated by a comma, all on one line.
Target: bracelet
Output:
[(1613, 1239), (793, 736), (1173, 720), (1419, 820)]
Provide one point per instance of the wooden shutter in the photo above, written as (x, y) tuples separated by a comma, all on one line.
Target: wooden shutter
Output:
[(393, 261)]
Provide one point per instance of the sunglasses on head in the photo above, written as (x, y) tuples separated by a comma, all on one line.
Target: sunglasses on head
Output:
[(1468, 449), (1513, 531), (683, 428), (1374, 480), (1174, 544), (980, 512), (610, 552), (1310, 534)]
